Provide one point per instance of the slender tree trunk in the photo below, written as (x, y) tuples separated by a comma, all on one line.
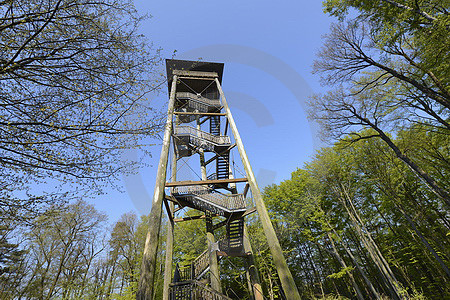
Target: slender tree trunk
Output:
[(355, 262), (424, 176), (370, 244), (344, 265), (425, 242)]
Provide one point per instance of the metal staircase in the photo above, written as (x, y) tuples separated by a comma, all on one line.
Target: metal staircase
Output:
[(223, 165), (233, 245), (204, 199), (214, 125), (194, 290), (188, 140), (190, 102)]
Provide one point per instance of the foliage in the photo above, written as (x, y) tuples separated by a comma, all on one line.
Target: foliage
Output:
[(386, 208), (74, 76), (388, 70)]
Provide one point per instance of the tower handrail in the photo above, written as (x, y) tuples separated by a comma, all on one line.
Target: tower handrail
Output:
[(217, 139), (195, 97), (227, 201), (195, 291), (200, 264)]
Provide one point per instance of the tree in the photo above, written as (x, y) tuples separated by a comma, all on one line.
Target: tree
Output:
[(62, 247), (356, 216), (381, 81), (11, 263), (74, 76), (425, 23)]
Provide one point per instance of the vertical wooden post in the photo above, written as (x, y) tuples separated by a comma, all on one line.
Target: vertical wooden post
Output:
[(170, 231), (213, 263), (287, 281), (251, 268), (148, 267), (252, 274)]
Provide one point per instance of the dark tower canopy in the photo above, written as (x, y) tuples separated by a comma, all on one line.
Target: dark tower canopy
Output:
[(198, 66)]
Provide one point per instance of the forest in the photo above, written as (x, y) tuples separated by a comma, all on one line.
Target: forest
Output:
[(366, 218)]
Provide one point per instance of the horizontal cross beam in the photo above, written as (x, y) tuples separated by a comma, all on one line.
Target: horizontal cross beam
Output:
[(195, 73), (199, 113), (205, 182), (191, 218)]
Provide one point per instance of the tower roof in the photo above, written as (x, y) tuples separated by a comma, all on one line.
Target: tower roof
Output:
[(189, 65)]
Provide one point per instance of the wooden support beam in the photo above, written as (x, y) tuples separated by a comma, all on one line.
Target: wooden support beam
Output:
[(148, 266), (169, 211), (220, 224), (247, 186), (170, 231), (198, 78), (226, 127), (171, 198), (205, 182), (285, 275), (199, 217), (204, 120), (198, 113), (249, 211), (194, 74)]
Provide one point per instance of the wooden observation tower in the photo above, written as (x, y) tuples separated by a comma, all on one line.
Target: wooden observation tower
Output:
[(199, 123)]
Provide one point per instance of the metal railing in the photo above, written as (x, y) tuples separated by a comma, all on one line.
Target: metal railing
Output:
[(200, 264), (228, 202), (191, 189), (194, 290), (195, 97), (202, 135)]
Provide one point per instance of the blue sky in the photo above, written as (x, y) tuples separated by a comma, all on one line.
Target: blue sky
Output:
[(268, 48)]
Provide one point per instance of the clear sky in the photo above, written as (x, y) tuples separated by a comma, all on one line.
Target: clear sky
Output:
[(268, 48)]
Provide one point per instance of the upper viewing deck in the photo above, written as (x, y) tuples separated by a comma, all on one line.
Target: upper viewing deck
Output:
[(197, 74)]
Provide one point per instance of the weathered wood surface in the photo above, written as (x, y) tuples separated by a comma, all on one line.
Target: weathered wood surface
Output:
[(198, 113), (148, 267), (285, 275), (195, 73), (205, 182)]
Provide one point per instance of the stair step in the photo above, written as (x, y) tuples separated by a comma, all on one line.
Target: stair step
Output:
[(233, 245), (214, 125), (223, 165)]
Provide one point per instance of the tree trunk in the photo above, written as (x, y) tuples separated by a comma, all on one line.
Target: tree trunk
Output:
[(344, 265), (370, 244), (424, 176)]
